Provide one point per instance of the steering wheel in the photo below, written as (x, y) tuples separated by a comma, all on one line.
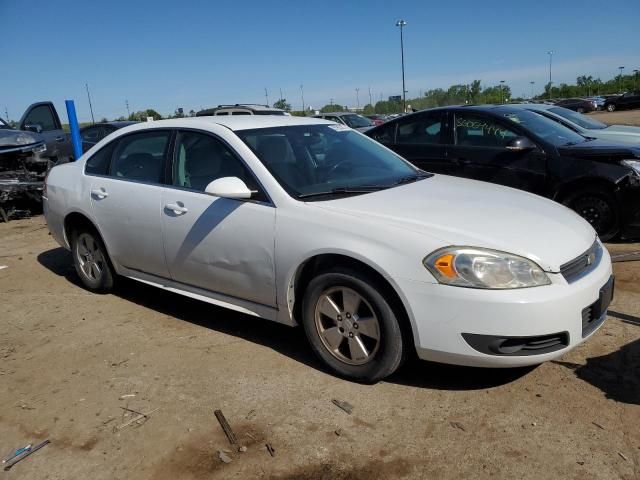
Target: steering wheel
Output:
[(334, 168)]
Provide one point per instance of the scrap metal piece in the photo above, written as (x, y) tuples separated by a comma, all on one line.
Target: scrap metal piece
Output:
[(135, 419), (270, 449), (346, 406), (226, 427), (24, 455)]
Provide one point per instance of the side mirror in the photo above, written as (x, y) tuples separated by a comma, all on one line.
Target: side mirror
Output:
[(521, 144), (33, 127), (228, 187)]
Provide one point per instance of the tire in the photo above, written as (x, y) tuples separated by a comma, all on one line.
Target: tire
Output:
[(334, 326), (91, 260), (599, 208), (580, 110), (611, 107)]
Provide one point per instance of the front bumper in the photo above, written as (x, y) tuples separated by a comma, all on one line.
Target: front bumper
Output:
[(441, 314)]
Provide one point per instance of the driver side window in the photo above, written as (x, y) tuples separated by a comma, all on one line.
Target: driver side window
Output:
[(478, 131)]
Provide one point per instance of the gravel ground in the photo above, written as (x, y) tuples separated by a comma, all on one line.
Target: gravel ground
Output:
[(71, 362)]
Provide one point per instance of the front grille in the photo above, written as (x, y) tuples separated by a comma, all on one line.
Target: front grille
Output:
[(582, 264)]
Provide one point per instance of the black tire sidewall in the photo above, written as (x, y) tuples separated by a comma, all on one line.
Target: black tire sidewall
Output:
[(573, 198), (391, 350), (105, 283)]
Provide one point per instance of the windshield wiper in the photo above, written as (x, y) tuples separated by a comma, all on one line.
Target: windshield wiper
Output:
[(412, 178), (345, 190)]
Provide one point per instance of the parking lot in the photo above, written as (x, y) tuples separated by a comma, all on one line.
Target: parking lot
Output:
[(73, 362)]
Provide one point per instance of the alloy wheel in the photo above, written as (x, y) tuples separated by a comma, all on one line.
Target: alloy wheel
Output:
[(90, 257), (347, 325)]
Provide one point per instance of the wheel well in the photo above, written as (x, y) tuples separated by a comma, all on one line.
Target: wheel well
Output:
[(584, 184), (76, 220), (321, 263)]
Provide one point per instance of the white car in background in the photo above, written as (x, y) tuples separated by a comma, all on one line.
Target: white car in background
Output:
[(303, 221), (586, 125)]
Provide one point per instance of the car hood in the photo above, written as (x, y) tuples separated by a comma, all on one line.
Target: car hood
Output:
[(465, 212), (625, 129), (364, 129), (604, 150), (18, 138)]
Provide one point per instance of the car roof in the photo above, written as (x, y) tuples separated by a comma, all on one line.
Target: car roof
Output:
[(247, 106), (534, 106), (117, 124), (235, 123), (337, 113)]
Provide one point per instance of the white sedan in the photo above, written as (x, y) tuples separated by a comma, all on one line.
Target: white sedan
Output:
[(302, 221)]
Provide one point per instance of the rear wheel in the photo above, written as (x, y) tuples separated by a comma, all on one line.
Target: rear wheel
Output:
[(91, 261), (599, 208), (351, 327), (580, 110), (611, 107)]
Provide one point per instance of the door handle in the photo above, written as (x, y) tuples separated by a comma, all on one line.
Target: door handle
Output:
[(461, 161), (60, 139), (177, 209), (99, 193)]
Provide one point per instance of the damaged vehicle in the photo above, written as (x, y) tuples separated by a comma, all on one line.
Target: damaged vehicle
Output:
[(514, 147), (23, 167), (25, 157), (307, 222)]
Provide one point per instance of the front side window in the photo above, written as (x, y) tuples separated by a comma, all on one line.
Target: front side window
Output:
[(479, 131), (421, 130), (384, 134), (578, 118), (545, 128), (322, 160), (141, 156), (42, 116), (201, 159)]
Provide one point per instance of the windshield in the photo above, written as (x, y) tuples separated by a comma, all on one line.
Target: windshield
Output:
[(356, 121), (553, 132), (578, 118), (322, 160)]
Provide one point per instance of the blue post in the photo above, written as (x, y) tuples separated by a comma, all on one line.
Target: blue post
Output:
[(75, 129)]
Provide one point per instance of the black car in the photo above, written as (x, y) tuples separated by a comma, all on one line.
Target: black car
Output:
[(579, 105), (94, 133), (521, 149), (626, 101)]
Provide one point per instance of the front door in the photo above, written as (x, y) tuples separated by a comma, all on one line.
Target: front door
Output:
[(43, 117), (480, 145), (217, 244), (126, 196)]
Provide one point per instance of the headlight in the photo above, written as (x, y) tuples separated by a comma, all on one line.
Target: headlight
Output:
[(25, 139), (484, 268), (633, 164)]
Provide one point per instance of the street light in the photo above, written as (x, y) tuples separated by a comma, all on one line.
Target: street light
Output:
[(620, 79), (357, 99), (302, 94), (501, 91), (550, 53), (402, 24), (532, 83)]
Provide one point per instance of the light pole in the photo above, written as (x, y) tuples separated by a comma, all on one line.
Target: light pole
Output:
[(532, 84), (501, 91), (402, 24), (550, 53), (266, 95), (620, 79), (371, 101), (302, 93), (357, 99), (90, 107)]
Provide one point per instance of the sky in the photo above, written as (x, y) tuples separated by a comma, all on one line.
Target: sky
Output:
[(197, 54)]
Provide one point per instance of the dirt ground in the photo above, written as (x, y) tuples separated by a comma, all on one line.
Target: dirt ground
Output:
[(72, 362), (623, 117)]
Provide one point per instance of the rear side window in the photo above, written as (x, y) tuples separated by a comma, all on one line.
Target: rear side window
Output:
[(141, 157), (477, 131), (98, 163), (421, 130)]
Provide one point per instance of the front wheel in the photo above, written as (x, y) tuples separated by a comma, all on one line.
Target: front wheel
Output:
[(611, 107), (351, 327), (599, 209), (91, 261)]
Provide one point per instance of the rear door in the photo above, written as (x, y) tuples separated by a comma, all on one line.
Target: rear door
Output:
[(422, 139), (480, 145), (44, 117), (127, 180)]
